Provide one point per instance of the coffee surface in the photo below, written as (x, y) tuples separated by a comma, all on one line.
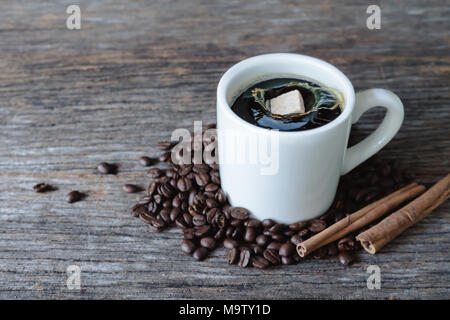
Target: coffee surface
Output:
[(247, 108)]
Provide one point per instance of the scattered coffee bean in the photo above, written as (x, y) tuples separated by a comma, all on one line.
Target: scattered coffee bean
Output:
[(244, 258), (187, 246), (286, 250), (74, 196), (164, 145), (317, 225), (347, 244), (145, 161), (42, 187), (233, 256), (107, 168), (208, 242), (239, 213), (260, 263), (130, 188), (272, 256), (200, 253), (345, 258)]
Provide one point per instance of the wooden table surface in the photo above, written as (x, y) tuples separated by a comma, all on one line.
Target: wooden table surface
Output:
[(139, 69)]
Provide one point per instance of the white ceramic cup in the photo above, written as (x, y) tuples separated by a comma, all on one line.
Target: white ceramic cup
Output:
[(310, 162)]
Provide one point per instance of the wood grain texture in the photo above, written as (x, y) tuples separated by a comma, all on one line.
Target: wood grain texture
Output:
[(139, 69)]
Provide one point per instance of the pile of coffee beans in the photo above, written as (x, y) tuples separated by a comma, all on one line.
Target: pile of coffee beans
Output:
[(189, 197)]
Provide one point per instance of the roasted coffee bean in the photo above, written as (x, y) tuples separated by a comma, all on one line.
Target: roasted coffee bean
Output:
[(272, 256), (262, 240), (154, 172), (230, 243), (211, 203), (180, 223), (42, 187), (138, 209), (153, 207), (164, 145), (220, 234), (184, 170), (220, 220), (106, 168), (171, 173), (176, 202), (189, 234), (235, 222), (147, 218), (238, 232), (187, 246), (209, 194), (198, 220), (211, 187), (260, 263), (267, 223), (275, 245), (220, 196), (215, 178), (130, 188), (347, 244), (287, 260), (258, 251), (278, 237), (200, 253), (296, 239), (74, 196), (157, 198), (239, 213), (211, 214), (187, 218), (202, 179), (289, 233), (145, 200), (208, 242), (276, 228), (165, 215), (184, 184), (233, 256), (151, 188), (201, 167), (174, 213), (252, 223), (298, 225), (286, 250), (145, 161), (164, 157), (317, 225), (244, 258), (250, 235), (303, 233), (345, 258)]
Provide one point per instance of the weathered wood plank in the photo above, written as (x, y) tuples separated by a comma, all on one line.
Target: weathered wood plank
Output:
[(138, 70)]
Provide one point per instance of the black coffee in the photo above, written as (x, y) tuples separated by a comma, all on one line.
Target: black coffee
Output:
[(322, 105)]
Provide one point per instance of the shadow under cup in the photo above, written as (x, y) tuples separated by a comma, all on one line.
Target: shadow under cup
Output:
[(308, 163)]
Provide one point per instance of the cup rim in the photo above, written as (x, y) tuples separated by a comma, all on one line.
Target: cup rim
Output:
[(349, 97)]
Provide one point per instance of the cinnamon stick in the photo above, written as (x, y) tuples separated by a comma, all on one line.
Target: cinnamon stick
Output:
[(389, 228), (359, 219)]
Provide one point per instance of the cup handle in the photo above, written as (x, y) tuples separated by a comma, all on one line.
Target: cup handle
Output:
[(391, 123)]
